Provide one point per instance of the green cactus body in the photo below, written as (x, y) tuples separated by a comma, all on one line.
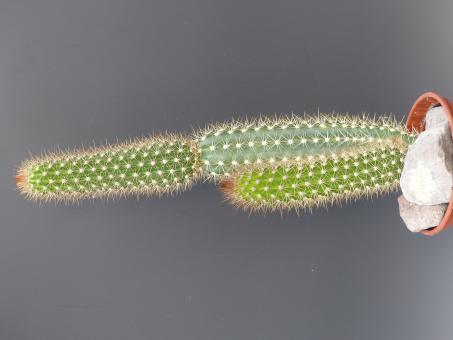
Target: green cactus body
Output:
[(150, 166), (321, 182), (226, 148), (170, 163)]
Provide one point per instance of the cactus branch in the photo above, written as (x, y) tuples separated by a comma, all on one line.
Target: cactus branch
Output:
[(155, 165), (323, 181), (226, 147)]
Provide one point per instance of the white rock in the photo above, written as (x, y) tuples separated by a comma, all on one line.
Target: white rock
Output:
[(436, 117), (420, 217), (427, 174)]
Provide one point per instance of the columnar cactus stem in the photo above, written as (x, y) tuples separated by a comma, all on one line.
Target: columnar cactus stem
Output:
[(320, 182), (225, 148), (156, 165)]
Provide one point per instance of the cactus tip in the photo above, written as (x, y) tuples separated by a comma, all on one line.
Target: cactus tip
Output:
[(21, 179), (227, 186)]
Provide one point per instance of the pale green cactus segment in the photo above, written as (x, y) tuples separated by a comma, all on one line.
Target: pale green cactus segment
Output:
[(268, 142), (148, 166), (322, 182)]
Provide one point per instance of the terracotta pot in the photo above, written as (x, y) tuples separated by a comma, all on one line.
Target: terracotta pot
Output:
[(416, 121)]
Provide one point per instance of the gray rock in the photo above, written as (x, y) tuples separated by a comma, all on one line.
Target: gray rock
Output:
[(436, 117), (427, 174), (420, 217)]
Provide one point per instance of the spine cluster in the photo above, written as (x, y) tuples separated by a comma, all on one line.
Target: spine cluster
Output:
[(265, 164)]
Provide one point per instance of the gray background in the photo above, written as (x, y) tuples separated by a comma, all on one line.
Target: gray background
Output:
[(191, 267)]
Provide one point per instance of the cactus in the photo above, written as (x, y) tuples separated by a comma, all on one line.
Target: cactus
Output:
[(320, 182), (235, 150)]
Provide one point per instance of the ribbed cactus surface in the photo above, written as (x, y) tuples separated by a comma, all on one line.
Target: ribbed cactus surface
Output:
[(322, 181), (152, 165), (225, 148), (265, 164)]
